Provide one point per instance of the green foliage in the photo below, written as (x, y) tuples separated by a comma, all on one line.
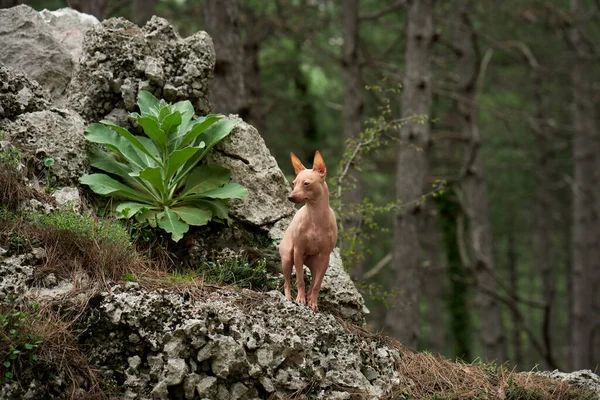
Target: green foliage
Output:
[(18, 343), (51, 181), (103, 230), (237, 271), (159, 180), (10, 156), (354, 239)]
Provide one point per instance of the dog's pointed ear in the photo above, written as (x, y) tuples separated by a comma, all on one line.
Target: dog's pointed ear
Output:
[(319, 164), (296, 163)]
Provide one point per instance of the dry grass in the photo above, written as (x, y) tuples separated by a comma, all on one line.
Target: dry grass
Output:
[(14, 192), (433, 377), (67, 252), (58, 351), (427, 376)]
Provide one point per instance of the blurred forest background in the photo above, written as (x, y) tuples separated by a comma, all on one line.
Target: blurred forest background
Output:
[(471, 196)]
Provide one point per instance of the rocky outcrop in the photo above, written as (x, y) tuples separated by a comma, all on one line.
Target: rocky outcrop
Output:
[(29, 45), (120, 59), (232, 346)]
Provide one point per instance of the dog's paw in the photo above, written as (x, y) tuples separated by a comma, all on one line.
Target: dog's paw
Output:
[(301, 299)]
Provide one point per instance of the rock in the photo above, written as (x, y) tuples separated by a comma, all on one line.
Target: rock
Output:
[(338, 292), (206, 385), (289, 339), (238, 390), (16, 274), (153, 58), (189, 385), (54, 133), (19, 94), (134, 362), (69, 27), (244, 152), (175, 371), (583, 378), (67, 198), (29, 45)]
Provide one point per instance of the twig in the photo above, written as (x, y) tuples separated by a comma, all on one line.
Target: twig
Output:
[(378, 267)]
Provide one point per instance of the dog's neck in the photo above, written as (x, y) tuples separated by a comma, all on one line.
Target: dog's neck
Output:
[(319, 207)]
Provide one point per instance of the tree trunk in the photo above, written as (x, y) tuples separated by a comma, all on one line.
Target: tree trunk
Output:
[(475, 192), (255, 34), (412, 168), (545, 209), (352, 116), (459, 293), (585, 311), (142, 11), (435, 288), (513, 278), (227, 93)]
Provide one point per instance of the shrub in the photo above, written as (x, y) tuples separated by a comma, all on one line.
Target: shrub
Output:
[(159, 180)]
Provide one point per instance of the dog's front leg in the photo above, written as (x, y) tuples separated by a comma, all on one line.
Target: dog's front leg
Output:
[(299, 264)]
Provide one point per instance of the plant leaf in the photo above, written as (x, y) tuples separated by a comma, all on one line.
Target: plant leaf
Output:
[(217, 207), (170, 123), (129, 208), (149, 105), (150, 216), (101, 134), (178, 158), (206, 177), (153, 130), (105, 185), (107, 162), (186, 109), (193, 215), (170, 222), (152, 175), (229, 191), (130, 138), (213, 135), (199, 126)]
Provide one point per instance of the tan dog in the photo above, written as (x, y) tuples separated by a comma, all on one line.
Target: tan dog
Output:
[(311, 237)]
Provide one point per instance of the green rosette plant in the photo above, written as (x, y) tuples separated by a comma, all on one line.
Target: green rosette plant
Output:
[(156, 177)]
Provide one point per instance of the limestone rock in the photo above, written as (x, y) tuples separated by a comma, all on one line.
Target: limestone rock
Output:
[(119, 59), (287, 339), (67, 198), (19, 94), (29, 45), (55, 133), (583, 378), (244, 152), (16, 274), (69, 27)]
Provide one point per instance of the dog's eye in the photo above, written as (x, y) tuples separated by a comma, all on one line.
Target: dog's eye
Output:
[(306, 183)]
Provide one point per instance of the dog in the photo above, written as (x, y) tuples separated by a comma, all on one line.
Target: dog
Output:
[(312, 234)]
